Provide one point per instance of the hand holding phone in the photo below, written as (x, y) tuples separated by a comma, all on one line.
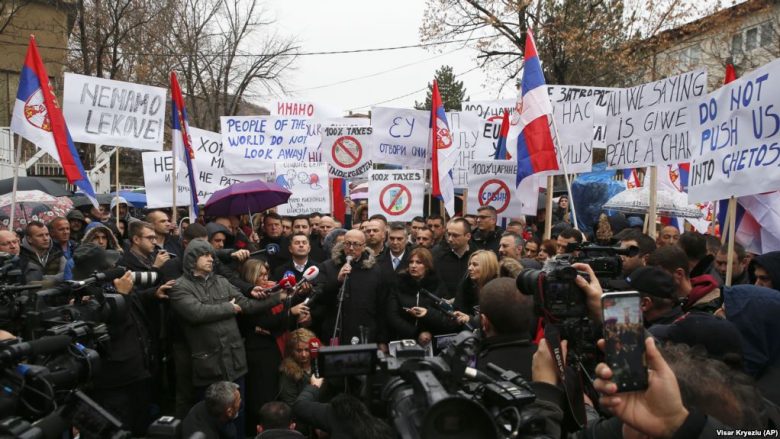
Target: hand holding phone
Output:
[(624, 337)]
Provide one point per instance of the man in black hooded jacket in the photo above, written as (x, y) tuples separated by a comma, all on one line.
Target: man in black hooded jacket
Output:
[(766, 270)]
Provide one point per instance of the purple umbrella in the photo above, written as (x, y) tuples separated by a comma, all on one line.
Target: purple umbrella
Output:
[(249, 196)]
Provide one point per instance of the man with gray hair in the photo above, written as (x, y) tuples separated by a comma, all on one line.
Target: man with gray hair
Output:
[(215, 414)]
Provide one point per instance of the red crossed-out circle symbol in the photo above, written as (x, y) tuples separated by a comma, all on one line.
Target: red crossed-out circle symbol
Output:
[(398, 205), (502, 188), (347, 151)]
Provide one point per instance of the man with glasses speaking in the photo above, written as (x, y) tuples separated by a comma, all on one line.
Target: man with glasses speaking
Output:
[(349, 295)]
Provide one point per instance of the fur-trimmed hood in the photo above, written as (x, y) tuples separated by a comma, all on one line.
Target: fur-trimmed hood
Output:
[(292, 369), (367, 259), (113, 242)]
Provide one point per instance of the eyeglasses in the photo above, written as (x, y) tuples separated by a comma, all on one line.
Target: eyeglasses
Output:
[(351, 244)]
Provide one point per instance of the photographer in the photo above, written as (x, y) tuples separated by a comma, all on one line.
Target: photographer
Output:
[(122, 386), (9, 243), (344, 417)]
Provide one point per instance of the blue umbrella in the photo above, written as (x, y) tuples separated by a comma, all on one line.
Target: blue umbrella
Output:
[(137, 199)]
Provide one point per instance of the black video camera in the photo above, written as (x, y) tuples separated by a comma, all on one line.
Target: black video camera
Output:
[(605, 261)]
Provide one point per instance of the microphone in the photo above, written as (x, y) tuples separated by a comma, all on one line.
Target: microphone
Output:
[(46, 345), (284, 283), (270, 249), (314, 352), (309, 275), (106, 276), (443, 306)]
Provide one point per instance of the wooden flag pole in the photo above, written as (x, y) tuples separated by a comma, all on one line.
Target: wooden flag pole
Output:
[(116, 180), (565, 175), (653, 203), (732, 224), (16, 159), (548, 208)]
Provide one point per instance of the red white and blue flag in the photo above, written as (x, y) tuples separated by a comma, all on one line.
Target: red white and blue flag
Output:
[(535, 147), (182, 142), (631, 178), (38, 118), (501, 151), (443, 155)]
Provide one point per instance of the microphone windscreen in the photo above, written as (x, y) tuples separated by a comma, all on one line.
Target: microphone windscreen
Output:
[(311, 273)]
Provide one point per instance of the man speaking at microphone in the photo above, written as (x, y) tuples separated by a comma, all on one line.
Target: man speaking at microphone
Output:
[(353, 271)]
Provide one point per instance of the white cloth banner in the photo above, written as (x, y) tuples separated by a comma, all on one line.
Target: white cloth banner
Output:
[(158, 169), (649, 124), (305, 109), (492, 183), (347, 151), (398, 195), (116, 113), (735, 132), (209, 164), (254, 144), (308, 183), (401, 137)]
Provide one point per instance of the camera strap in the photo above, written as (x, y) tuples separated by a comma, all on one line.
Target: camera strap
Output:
[(569, 376)]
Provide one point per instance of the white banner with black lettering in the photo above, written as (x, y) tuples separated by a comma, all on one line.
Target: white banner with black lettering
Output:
[(648, 124), (347, 151), (398, 195), (736, 135), (116, 113), (158, 168), (492, 183), (308, 183), (209, 164)]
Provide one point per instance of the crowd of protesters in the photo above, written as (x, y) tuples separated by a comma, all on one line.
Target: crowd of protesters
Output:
[(212, 340)]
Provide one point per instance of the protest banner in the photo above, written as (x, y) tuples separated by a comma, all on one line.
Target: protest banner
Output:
[(308, 183), (492, 183), (648, 124), (736, 132), (398, 195), (466, 128), (401, 137), (346, 150), (303, 109), (116, 113), (490, 108), (209, 165), (254, 144), (568, 93), (158, 169)]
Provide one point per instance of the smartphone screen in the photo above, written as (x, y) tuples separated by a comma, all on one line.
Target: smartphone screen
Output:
[(624, 335)]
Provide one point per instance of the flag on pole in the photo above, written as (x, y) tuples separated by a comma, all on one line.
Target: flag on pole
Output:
[(443, 153), (338, 192), (182, 142), (631, 178), (38, 118), (501, 150), (535, 148)]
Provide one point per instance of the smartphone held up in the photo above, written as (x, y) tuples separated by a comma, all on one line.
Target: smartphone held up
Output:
[(624, 337)]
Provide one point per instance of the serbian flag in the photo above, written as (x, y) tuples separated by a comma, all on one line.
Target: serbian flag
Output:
[(182, 142), (38, 118), (631, 178), (338, 192), (535, 148), (501, 151), (444, 154)]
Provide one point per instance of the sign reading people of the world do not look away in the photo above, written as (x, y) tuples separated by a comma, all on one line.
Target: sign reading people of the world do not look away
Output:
[(736, 133), (398, 195), (116, 113), (648, 124)]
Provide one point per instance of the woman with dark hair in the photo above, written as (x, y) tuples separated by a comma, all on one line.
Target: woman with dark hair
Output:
[(344, 417), (263, 338), (546, 250), (483, 267), (410, 312)]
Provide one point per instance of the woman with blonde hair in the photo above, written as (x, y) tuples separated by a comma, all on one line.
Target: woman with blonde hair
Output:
[(296, 368), (483, 267)]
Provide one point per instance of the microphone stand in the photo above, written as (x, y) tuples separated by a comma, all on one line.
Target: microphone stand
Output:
[(334, 340)]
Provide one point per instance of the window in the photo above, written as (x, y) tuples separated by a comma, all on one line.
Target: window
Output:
[(690, 56), (752, 38)]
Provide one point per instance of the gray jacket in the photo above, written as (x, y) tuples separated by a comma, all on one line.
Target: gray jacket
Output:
[(209, 322)]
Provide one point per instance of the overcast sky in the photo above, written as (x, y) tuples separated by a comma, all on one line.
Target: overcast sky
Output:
[(361, 24)]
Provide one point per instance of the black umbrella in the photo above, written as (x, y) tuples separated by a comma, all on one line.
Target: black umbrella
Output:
[(34, 184)]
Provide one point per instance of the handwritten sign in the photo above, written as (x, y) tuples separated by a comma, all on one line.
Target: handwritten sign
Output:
[(158, 171), (308, 183), (648, 124), (108, 112), (736, 138), (401, 137), (254, 144), (398, 195), (304, 109), (492, 183), (490, 108), (346, 150), (210, 163)]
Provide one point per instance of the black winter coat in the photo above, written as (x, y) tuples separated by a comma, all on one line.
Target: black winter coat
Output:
[(402, 325)]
